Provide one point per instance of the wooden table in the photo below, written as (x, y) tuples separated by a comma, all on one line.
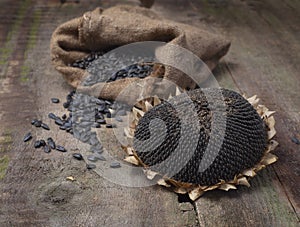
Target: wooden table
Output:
[(263, 60)]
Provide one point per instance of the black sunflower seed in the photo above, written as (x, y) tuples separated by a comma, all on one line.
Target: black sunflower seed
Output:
[(295, 140), (90, 166), (77, 156), (101, 107), (84, 138), (110, 126), (85, 124), (121, 113), (27, 137), (54, 100), (115, 165), (101, 121), (92, 158), (45, 126), (43, 143), (68, 124), (72, 92), (66, 105), (96, 125), (60, 148), (37, 144), (37, 123), (59, 122), (51, 143), (69, 98), (63, 127), (108, 102), (33, 121), (97, 148), (118, 118), (100, 102), (47, 149), (52, 116), (99, 115)]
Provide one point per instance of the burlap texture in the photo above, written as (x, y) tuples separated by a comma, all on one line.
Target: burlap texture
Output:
[(103, 30)]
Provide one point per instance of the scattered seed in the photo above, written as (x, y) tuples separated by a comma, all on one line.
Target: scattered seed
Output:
[(108, 102), (92, 158), (101, 108), (108, 115), (85, 124), (33, 121), (59, 122), (47, 149), (93, 140), (99, 115), (77, 156), (295, 140), (118, 118), (43, 143), (27, 137), (37, 123), (96, 125), (121, 113), (54, 100), (100, 102), (115, 165), (66, 105), (97, 148), (64, 117), (37, 144), (51, 143), (68, 124), (90, 166), (63, 127), (45, 126), (60, 148), (101, 121), (52, 116)]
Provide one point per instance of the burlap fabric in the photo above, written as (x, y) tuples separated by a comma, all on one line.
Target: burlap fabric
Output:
[(103, 30)]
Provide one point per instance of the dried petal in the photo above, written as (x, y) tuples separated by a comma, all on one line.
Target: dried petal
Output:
[(227, 187), (243, 181), (249, 173), (195, 194), (133, 160), (70, 178), (269, 159)]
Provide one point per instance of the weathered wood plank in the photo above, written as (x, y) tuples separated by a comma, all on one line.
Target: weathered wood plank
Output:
[(258, 205), (35, 191), (264, 52), (263, 61)]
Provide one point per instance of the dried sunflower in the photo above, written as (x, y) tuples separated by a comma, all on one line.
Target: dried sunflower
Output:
[(173, 138)]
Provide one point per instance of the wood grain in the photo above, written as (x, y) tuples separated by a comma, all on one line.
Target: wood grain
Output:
[(263, 60), (35, 191)]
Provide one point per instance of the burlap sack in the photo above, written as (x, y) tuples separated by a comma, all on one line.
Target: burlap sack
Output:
[(103, 30)]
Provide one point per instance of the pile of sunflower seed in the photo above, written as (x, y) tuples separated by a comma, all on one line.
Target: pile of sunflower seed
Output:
[(85, 112), (110, 67)]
